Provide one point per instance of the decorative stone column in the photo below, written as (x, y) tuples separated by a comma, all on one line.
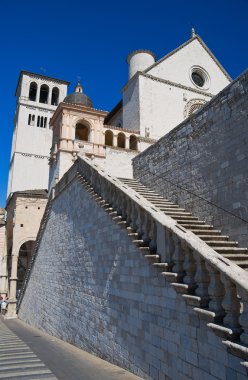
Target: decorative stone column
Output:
[(3, 278), (11, 313)]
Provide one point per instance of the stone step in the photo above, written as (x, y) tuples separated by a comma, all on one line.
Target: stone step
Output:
[(155, 258), (207, 232), (177, 213), (236, 257), (208, 238), (140, 243), (192, 222), (198, 227), (221, 243), (232, 250), (185, 218), (163, 266)]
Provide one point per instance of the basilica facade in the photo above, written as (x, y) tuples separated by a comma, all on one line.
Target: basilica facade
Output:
[(53, 128)]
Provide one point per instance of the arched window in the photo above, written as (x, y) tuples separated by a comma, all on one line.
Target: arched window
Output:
[(82, 132), (44, 90), (109, 138), (121, 140), (55, 96), (133, 142), (32, 91)]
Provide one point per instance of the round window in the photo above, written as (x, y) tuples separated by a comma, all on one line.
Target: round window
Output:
[(198, 79)]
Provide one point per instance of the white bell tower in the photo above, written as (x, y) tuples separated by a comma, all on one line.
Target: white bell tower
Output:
[(37, 98)]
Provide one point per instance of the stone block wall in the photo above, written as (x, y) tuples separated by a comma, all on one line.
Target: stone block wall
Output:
[(202, 164), (91, 287)]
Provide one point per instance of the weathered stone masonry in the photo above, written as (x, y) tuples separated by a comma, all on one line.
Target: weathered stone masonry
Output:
[(119, 307), (202, 164)]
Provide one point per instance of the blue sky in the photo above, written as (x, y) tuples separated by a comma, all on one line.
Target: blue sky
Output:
[(91, 39)]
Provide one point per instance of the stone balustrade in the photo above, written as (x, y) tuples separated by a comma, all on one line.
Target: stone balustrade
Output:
[(214, 286)]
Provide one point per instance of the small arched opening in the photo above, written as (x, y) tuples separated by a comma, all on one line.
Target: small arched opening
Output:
[(121, 140), (32, 91), (24, 258), (44, 91), (133, 142), (55, 96), (82, 132), (109, 138)]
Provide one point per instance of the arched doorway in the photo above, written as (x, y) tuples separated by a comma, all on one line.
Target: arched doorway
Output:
[(82, 132), (24, 258)]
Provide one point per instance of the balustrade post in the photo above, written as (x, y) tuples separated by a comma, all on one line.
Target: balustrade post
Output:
[(201, 279), (243, 319), (189, 266), (178, 257), (216, 293), (139, 221), (152, 234), (230, 304), (133, 215), (145, 229)]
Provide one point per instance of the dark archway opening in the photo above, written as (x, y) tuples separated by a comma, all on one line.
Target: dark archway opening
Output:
[(82, 132)]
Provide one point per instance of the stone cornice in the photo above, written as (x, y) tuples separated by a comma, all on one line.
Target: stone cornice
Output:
[(173, 84), (76, 108), (40, 76)]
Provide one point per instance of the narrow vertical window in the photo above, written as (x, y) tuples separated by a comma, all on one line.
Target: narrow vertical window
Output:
[(38, 121), (29, 119), (45, 122), (33, 120), (41, 122)]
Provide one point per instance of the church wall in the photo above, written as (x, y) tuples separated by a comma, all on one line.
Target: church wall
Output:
[(118, 162), (162, 106), (131, 106), (120, 309), (176, 68), (202, 164), (24, 215), (29, 172), (30, 138)]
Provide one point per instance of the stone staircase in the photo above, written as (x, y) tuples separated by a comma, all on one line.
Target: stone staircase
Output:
[(212, 237), (193, 257)]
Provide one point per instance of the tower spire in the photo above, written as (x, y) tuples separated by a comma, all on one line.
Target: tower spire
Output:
[(193, 33)]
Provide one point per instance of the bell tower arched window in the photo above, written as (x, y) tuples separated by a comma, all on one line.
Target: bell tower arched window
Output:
[(55, 96), (32, 91), (44, 91)]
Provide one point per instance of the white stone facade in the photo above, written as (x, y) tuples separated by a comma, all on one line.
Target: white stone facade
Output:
[(32, 137), (156, 99)]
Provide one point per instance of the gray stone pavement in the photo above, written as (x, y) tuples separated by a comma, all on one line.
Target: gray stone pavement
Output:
[(27, 353)]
